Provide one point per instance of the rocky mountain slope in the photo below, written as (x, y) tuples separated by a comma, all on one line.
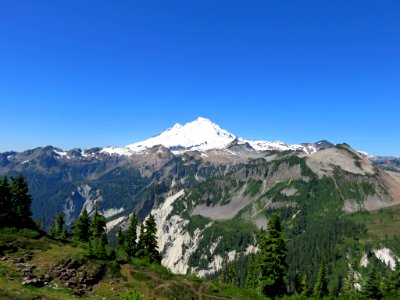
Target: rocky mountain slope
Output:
[(209, 190)]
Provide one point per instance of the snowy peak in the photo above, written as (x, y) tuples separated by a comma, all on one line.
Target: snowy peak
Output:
[(201, 134)]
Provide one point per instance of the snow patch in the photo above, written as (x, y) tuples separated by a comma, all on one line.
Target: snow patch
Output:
[(364, 260), (112, 212), (231, 255), (214, 245), (386, 256), (251, 249), (110, 225), (214, 266)]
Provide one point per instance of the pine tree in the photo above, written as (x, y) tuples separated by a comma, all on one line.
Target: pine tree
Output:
[(130, 244), (272, 260), (120, 238), (253, 273), (97, 225), (297, 282), (394, 283), (305, 286), (321, 287), (21, 203), (349, 287), (57, 229), (98, 239), (81, 227), (228, 274), (148, 248), (371, 289), (5, 203)]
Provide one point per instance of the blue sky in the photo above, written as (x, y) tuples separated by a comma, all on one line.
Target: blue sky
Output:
[(99, 73)]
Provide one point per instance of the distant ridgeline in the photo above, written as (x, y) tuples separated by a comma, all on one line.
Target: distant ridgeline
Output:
[(211, 193)]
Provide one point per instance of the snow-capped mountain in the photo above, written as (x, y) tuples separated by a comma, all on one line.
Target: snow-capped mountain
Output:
[(202, 135)]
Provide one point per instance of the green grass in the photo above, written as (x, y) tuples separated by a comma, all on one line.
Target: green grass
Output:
[(381, 224)]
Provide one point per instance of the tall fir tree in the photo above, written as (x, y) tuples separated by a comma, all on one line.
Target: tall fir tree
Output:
[(321, 286), (393, 286), (57, 229), (349, 289), (97, 225), (98, 239), (148, 248), (228, 274), (6, 208), (305, 286), (130, 243), (21, 203), (371, 288), (81, 227), (253, 272), (297, 282), (120, 238), (272, 260)]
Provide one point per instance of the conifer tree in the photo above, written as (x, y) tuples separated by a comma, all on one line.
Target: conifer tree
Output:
[(272, 260), (57, 229), (253, 273), (321, 286), (148, 248), (5, 203), (394, 283), (97, 225), (305, 286), (228, 274), (349, 287), (21, 203), (120, 238), (81, 227), (98, 239), (297, 282), (130, 244), (371, 289)]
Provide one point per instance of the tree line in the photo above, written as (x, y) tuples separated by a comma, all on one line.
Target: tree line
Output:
[(92, 231)]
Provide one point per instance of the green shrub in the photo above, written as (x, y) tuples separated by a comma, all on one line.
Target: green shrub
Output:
[(133, 295)]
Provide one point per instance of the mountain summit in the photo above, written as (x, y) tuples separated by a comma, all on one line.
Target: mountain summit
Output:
[(202, 134)]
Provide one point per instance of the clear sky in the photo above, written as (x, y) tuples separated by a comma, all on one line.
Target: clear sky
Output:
[(100, 73)]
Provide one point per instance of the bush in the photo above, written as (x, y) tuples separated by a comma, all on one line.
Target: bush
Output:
[(25, 232), (134, 295)]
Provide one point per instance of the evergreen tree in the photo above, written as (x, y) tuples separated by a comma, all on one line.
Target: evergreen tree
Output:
[(148, 248), (297, 282), (81, 227), (371, 289), (130, 244), (98, 239), (120, 238), (253, 273), (97, 248), (6, 208), (272, 260), (57, 229), (228, 274), (21, 203), (97, 225), (394, 283), (349, 287), (305, 286), (321, 286)]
